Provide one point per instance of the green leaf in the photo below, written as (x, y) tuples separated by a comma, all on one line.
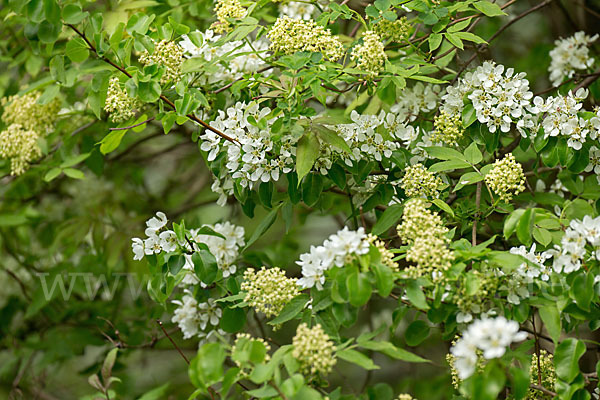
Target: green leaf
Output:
[(455, 40), (473, 154), (157, 393), (359, 288), (205, 266), (77, 50), (233, 319), (307, 153), (551, 318), (175, 263), (468, 115), (332, 138), (74, 173), (582, 290), (52, 174), (108, 364), (357, 358), (390, 350), (445, 153), (442, 205), (264, 225), (566, 359), (291, 309), (111, 141), (390, 216), (525, 226), (312, 186), (449, 165), (416, 333), (435, 39), (416, 295), (12, 219), (510, 224), (72, 14), (207, 366), (470, 37), (384, 279), (149, 92), (488, 8)]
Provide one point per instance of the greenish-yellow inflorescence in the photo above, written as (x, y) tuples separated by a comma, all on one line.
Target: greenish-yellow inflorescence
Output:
[(394, 31), (448, 128), (25, 111), (424, 231), (167, 54), (387, 257), (489, 284), (20, 146), (370, 54), (548, 375), (506, 178), (451, 360), (313, 350), (242, 338), (405, 396), (289, 36), (419, 182), (118, 104), (268, 290), (225, 10)]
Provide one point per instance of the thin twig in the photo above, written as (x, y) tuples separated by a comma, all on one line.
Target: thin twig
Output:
[(172, 341), (132, 126), (476, 220), (162, 97), (543, 390)]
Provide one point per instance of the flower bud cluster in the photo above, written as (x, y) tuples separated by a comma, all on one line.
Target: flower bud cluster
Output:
[(419, 182), (395, 31), (370, 55), (26, 122), (506, 178), (289, 36), (313, 350), (243, 339), (20, 145), (268, 290), (405, 396), (227, 9), (547, 372), (168, 55), (387, 257), (448, 128), (25, 111), (423, 230), (118, 104)]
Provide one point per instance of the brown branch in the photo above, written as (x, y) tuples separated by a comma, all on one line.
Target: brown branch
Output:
[(162, 97), (541, 170), (172, 341), (588, 81), (543, 390)]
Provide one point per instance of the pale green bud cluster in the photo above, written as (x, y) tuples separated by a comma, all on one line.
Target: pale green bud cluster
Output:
[(27, 121), (548, 374), (395, 31), (289, 36), (424, 231), (167, 54), (313, 350), (227, 9), (370, 55), (451, 360), (387, 257), (506, 178), (268, 290), (243, 340), (20, 145), (25, 111), (489, 284), (419, 182), (118, 104), (405, 396), (448, 128)]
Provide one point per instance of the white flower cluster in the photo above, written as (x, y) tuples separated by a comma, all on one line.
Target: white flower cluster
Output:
[(159, 239), (421, 98), (499, 96), (568, 257), (193, 317), (340, 249), (517, 281), (594, 164), (369, 137), (561, 118), (298, 10), (489, 336), (569, 55), (235, 57), (255, 157)]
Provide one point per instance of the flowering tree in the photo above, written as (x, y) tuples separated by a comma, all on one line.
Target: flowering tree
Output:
[(342, 199)]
